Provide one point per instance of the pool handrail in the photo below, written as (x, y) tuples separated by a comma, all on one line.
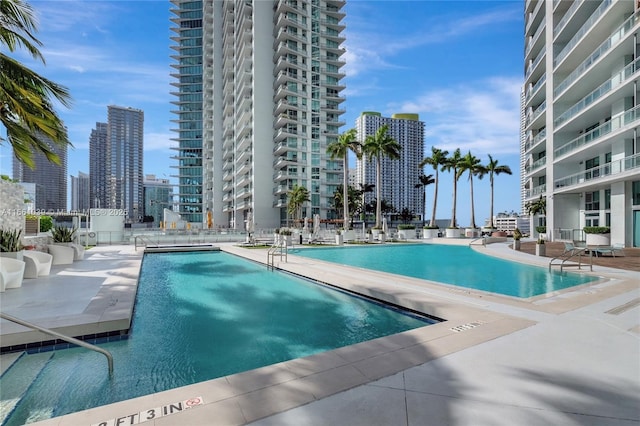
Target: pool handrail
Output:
[(280, 245), (570, 252), (60, 336)]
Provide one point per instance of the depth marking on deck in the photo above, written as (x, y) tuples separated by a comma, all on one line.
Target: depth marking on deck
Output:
[(152, 413), (467, 326)]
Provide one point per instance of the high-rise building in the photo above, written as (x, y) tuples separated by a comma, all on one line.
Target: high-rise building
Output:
[(80, 192), (50, 179), (581, 150), (189, 104), (115, 162), (98, 166), (400, 176), (158, 195), (259, 86)]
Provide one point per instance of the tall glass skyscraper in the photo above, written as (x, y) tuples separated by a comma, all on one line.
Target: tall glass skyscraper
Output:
[(189, 104), (268, 106), (115, 162), (50, 179)]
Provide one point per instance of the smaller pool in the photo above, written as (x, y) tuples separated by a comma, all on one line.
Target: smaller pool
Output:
[(457, 265), (198, 316)]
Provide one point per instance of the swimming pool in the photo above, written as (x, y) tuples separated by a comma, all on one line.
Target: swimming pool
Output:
[(457, 265), (198, 316)]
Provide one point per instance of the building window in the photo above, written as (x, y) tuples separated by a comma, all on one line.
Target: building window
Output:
[(607, 199), (592, 220), (592, 201), (635, 191), (593, 163)]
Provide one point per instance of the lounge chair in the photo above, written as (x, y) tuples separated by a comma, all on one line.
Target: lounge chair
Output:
[(37, 263), (612, 250), (11, 273), (62, 255), (572, 249)]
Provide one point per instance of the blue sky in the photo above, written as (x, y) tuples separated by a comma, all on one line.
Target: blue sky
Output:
[(456, 63)]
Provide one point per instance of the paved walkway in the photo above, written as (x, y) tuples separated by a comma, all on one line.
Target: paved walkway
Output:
[(565, 359)]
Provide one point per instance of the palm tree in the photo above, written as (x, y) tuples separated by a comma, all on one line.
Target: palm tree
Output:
[(26, 109), (470, 163), (340, 149), (493, 169), (378, 146), (364, 189), (423, 182), (453, 164), (438, 158), (297, 197)]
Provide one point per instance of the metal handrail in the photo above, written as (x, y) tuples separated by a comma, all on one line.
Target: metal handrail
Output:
[(569, 254), (62, 337), (271, 253), (144, 240)]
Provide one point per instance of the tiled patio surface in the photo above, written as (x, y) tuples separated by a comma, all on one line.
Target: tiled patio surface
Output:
[(570, 358)]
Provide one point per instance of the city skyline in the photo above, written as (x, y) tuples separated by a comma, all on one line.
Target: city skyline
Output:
[(456, 64)]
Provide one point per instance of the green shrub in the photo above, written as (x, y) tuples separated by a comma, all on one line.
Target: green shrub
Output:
[(46, 223), (10, 240), (596, 230), (62, 234), (406, 226), (541, 229), (517, 234)]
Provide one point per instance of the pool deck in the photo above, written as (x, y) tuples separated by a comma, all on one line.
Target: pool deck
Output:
[(571, 357)]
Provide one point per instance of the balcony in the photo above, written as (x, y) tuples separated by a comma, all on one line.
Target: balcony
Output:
[(582, 31), (536, 191), (598, 53), (542, 135), (533, 114), (607, 170), (629, 118), (536, 165), (620, 78)]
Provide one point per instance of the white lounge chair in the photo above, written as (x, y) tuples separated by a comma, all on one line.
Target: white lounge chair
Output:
[(62, 255), (37, 263), (11, 273)]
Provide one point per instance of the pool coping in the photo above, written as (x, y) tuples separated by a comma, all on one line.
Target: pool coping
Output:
[(471, 319)]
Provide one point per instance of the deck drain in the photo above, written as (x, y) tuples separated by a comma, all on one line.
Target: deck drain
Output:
[(623, 308), (467, 326)]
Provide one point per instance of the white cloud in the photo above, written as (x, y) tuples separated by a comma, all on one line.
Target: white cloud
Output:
[(158, 141), (481, 117)]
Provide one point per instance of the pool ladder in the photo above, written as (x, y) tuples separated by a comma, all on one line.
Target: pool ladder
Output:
[(60, 336), (570, 254), (277, 249)]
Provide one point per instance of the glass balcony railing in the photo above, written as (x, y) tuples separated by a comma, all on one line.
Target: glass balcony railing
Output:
[(542, 134), (582, 31), (535, 87), (629, 117), (535, 63), (531, 117), (602, 90), (540, 189), (568, 14), (616, 36), (609, 169), (536, 165), (533, 39)]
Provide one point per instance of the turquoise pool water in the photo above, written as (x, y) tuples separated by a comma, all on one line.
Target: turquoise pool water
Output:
[(198, 316), (457, 265)]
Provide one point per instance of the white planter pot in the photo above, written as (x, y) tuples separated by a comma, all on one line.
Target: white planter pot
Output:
[(370, 238), (428, 233), (598, 239), (516, 244), (541, 250), (382, 237), (452, 233), (339, 239), (407, 234), (349, 235), (472, 232)]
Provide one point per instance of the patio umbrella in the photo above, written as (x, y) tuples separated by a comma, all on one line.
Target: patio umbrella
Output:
[(249, 223), (384, 224), (316, 224), (305, 228), (209, 219)]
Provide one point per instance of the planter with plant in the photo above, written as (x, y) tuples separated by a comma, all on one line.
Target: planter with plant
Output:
[(62, 234), (430, 232), (339, 237), (452, 232), (540, 247), (10, 245), (597, 235), (517, 235), (406, 231)]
